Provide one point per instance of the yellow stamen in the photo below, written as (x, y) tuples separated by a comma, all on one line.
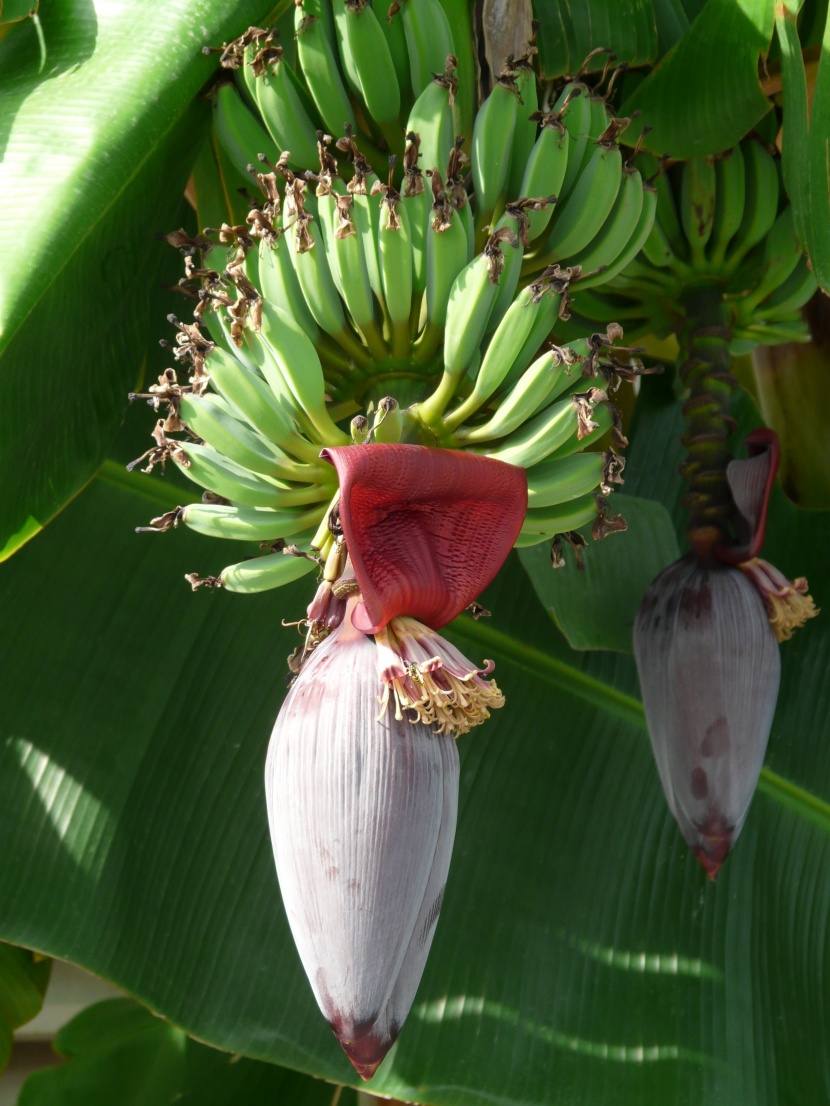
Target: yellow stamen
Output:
[(789, 609), (455, 709)]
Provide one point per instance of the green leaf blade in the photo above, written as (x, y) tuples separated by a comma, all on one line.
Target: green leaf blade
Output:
[(595, 607), (97, 148), (682, 98)]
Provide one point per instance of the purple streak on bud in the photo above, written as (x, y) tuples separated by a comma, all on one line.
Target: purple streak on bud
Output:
[(709, 669), (362, 813)]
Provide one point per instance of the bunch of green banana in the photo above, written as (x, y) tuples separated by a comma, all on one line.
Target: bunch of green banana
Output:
[(722, 223), (414, 304)]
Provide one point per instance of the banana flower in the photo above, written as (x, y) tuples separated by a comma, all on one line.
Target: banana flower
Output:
[(706, 645), (362, 770)]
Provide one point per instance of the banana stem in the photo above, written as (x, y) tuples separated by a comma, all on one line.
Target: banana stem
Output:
[(352, 347), (434, 406), (332, 356), (401, 346), (373, 339), (706, 370), (428, 343)]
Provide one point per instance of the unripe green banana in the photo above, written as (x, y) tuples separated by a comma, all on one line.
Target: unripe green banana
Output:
[(366, 215), (697, 205), (574, 109), (779, 256), (468, 219), (539, 437), (669, 219), (459, 18), (370, 64), (613, 237), (240, 133), (762, 193), (211, 419), (597, 307), (791, 294), (528, 393), (446, 257), (506, 343), (313, 274), (257, 402), (545, 522), (429, 40), (582, 214), (217, 520), (395, 260), (492, 142), (279, 284), (419, 213), (559, 481), (209, 469), (636, 242), (469, 304), (545, 172), (295, 363), (431, 119), (602, 422), (317, 57), (546, 317), (285, 116), (657, 249), (345, 251), (388, 423), (513, 255), (392, 26), (524, 134), (264, 573), (730, 185)]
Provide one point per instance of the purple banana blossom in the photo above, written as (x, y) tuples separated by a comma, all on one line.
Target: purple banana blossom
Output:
[(362, 811), (706, 645), (709, 669), (362, 771)]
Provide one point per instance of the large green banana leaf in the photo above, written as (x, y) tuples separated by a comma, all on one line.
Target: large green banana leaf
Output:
[(99, 126), (581, 957), (118, 1053)]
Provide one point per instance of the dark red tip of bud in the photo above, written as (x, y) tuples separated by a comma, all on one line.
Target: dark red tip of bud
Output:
[(714, 844), (366, 1055), (426, 529)]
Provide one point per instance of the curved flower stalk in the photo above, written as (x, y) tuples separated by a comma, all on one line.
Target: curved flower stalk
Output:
[(706, 645)]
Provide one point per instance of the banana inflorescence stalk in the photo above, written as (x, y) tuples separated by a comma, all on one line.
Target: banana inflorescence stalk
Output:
[(393, 286)]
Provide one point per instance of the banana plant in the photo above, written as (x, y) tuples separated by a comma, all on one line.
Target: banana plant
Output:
[(421, 321)]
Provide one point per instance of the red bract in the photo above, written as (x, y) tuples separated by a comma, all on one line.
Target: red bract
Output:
[(426, 529), (750, 482)]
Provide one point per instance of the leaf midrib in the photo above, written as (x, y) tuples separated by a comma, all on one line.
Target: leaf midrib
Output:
[(783, 791)]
